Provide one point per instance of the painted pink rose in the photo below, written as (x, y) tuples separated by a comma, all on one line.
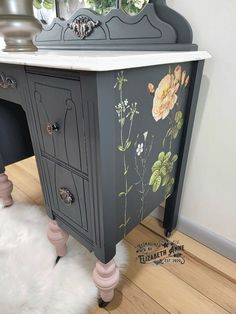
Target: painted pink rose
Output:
[(165, 97)]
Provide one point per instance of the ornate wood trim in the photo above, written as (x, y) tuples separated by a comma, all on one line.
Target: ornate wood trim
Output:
[(156, 27), (7, 81)]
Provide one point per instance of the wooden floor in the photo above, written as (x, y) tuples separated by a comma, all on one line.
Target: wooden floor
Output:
[(206, 283)]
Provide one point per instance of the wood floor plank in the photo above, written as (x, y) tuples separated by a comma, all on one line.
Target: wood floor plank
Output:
[(198, 251), (138, 300), (121, 304), (200, 277), (29, 165), (168, 290), (98, 310), (26, 182), (20, 196)]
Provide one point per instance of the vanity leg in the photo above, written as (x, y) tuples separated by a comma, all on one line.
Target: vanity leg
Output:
[(6, 188), (106, 278), (58, 237)]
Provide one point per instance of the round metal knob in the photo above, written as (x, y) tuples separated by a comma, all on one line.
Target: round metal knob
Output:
[(66, 196), (52, 127)]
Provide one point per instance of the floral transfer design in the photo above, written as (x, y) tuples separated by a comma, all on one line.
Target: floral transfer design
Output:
[(167, 93), (141, 157), (161, 172), (167, 96), (126, 113), (153, 162)]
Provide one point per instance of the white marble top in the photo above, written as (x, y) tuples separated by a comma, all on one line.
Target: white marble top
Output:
[(99, 60)]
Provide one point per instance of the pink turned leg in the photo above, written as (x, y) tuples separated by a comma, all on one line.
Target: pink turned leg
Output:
[(6, 188), (57, 237), (106, 278)]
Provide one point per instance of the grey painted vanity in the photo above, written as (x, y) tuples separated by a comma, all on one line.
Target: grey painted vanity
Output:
[(110, 130), (97, 135)]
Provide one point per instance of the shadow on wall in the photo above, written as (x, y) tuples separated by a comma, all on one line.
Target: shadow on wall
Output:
[(202, 101)]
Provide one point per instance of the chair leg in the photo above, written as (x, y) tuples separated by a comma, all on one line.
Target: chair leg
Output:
[(58, 237), (106, 278), (6, 188)]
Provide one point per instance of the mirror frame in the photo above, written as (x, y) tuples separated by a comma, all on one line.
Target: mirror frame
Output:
[(156, 27)]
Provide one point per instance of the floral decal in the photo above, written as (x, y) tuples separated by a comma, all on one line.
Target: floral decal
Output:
[(166, 94), (161, 172), (141, 157), (153, 170), (165, 97), (126, 113)]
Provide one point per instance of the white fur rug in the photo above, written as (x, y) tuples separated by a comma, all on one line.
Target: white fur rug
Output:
[(29, 282)]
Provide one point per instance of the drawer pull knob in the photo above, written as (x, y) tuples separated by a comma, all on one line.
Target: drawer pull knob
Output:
[(52, 127), (7, 81), (66, 196)]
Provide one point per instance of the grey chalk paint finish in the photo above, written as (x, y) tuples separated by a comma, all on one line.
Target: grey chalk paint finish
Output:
[(156, 27), (81, 137), (110, 146)]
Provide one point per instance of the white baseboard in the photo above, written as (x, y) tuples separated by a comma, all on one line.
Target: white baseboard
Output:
[(203, 235)]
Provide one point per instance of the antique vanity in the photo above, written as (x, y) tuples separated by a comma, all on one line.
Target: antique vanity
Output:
[(110, 129)]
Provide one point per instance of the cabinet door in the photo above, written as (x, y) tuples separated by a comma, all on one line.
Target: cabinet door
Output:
[(69, 194), (58, 114)]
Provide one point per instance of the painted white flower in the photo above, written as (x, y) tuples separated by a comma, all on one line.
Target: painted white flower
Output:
[(139, 3), (145, 134), (139, 149)]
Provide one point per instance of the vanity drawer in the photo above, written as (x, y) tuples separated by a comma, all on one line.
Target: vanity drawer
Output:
[(59, 119), (69, 196), (11, 77)]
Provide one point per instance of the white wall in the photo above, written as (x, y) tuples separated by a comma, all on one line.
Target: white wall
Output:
[(209, 194)]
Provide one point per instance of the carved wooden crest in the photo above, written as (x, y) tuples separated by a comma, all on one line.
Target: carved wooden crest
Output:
[(83, 26)]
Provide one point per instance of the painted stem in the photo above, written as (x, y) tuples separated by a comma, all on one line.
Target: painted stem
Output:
[(126, 191)]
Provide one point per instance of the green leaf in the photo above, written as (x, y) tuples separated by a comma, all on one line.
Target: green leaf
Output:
[(126, 171), (165, 180), (174, 158), (154, 176), (127, 145), (178, 116), (170, 167), (156, 184), (127, 221), (180, 124), (163, 170), (37, 4), (175, 133), (167, 156), (161, 156), (122, 194), (156, 165), (122, 226), (129, 189), (169, 132), (121, 148), (48, 4)]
